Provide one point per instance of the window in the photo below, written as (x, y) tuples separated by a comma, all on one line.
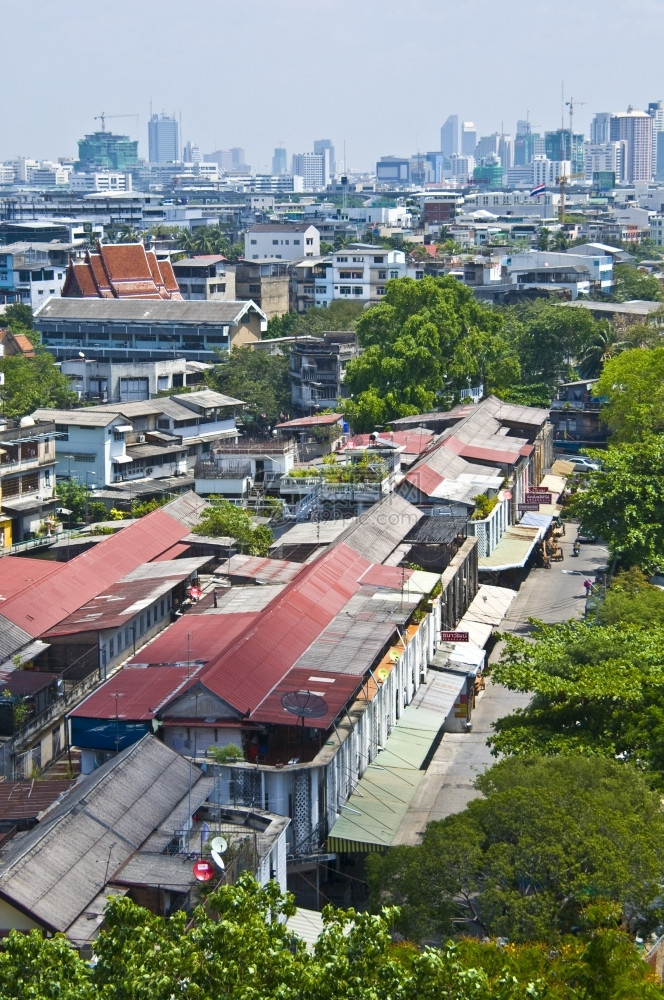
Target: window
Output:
[(344, 290), (382, 275), (286, 242), (275, 243), (358, 290), (84, 457), (111, 648), (394, 274), (380, 290), (379, 260), (254, 289), (253, 243), (309, 241), (342, 260), (296, 243)]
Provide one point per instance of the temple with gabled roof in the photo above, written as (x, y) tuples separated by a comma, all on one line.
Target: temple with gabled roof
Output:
[(120, 271)]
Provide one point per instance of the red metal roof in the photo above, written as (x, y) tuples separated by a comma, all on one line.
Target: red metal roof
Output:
[(335, 689), (494, 453), (19, 572), (263, 653), (414, 442), (175, 551), (141, 692), (321, 420), (38, 608), (197, 638), (424, 478), (27, 799), (257, 568), (386, 576)]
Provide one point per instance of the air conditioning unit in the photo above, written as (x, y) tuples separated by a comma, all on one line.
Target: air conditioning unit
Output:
[(141, 438), (148, 472)]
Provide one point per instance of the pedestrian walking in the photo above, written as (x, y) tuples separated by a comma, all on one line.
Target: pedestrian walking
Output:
[(588, 584)]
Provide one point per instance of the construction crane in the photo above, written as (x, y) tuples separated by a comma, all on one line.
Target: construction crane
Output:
[(103, 116), (562, 180)]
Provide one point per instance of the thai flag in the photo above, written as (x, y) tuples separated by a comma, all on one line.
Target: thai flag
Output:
[(538, 189)]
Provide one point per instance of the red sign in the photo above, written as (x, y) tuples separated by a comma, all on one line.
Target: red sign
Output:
[(203, 871), (454, 637), (528, 506)]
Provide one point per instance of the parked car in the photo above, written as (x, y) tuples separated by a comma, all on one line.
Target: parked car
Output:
[(583, 464)]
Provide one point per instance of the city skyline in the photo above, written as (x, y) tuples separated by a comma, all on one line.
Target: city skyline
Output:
[(491, 73)]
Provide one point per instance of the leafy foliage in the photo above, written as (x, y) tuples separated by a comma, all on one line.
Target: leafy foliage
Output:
[(34, 382), (548, 338), (73, 495), (222, 519), (258, 378), (598, 690), (550, 836), (240, 946), (630, 283), (633, 385), (426, 338), (623, 502), (339, 315)]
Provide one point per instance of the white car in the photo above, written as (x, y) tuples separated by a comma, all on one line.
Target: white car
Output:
[(583, 464)]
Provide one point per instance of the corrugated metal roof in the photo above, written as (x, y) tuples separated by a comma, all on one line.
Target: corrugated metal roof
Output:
[(336, 689), (512, 550), (115, 607), (12, 638), (378, 532), (47, 602), (19, 572), (57, 869), (175, 551), (165, 870), (141, 692), (260, 657), (194, 638), (260, 569), (213, 313), (319, 420), (27, 799)]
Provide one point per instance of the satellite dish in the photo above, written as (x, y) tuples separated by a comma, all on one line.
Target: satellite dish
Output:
[(219, 845), (304, 704), (203, 871), (217, 858)]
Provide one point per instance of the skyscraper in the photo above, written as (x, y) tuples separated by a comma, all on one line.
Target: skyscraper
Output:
[(106, 151), (313, 168), (163, 139), (449, 136), (656, 112), (600, 128), (468, 139), (635, 128), (280, 161), (320, 146)]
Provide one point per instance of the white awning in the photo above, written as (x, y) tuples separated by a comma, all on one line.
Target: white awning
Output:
[(122, 459)]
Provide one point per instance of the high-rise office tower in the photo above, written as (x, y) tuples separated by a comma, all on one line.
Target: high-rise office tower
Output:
[(320, 146), (656, 112), (468, 139), (635, 128), (600, 128), (523, 127), (449, 136), (280, 161), (313, 168), (558, 147), (163, 139), (506, 151)]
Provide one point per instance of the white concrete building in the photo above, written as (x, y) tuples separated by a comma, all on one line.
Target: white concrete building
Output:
[(281, 241), (103, 180), (547, 171), (360, 273), (605, 157)]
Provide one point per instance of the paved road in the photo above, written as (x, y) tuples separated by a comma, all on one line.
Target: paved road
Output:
[(553, 595)]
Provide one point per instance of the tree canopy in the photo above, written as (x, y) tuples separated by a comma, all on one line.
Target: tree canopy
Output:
[(548, 339), (623, 501), (339, 315), (238, 945), (633, 385), (549, 836), (222, 519), (630, 283), (33, 382), (426, 340), (260, 379)]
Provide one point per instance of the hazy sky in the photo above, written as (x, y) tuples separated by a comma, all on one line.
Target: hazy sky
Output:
[(381, 75)]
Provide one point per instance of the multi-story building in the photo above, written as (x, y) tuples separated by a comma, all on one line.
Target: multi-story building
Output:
[(29, 276), (449, 136), (279, 161), (125, 382), (317, 367), (281, 241), (163, 139), (559, 145), (267, 283), (323, 146), (360, 272), (206, 277), (393, 170), (547, 171), (600, 128), (468, 138), (101, 180), (144, 330), (107, 151), (636, 129), (656, 112), (606, 157), (313, 168), (27, 478)]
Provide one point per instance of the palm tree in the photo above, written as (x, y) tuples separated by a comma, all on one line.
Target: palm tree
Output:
[(604, 345)]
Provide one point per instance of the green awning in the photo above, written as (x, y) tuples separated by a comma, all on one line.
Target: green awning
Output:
[(374, 812)]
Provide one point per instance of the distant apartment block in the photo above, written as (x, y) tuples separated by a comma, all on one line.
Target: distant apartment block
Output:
[(636, 129), (207, 277), (163, 139), (281, 241)]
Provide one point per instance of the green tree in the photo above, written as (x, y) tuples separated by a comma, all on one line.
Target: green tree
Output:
[(339, 315), (632, 599), (633, 386), (73, 496), (260, 379), (548, 338), (598, 690), (222, 519), (31, 383), (550, 836), (623, 501), (428, 337), (630, 283), (18, 316), (606, 343)]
